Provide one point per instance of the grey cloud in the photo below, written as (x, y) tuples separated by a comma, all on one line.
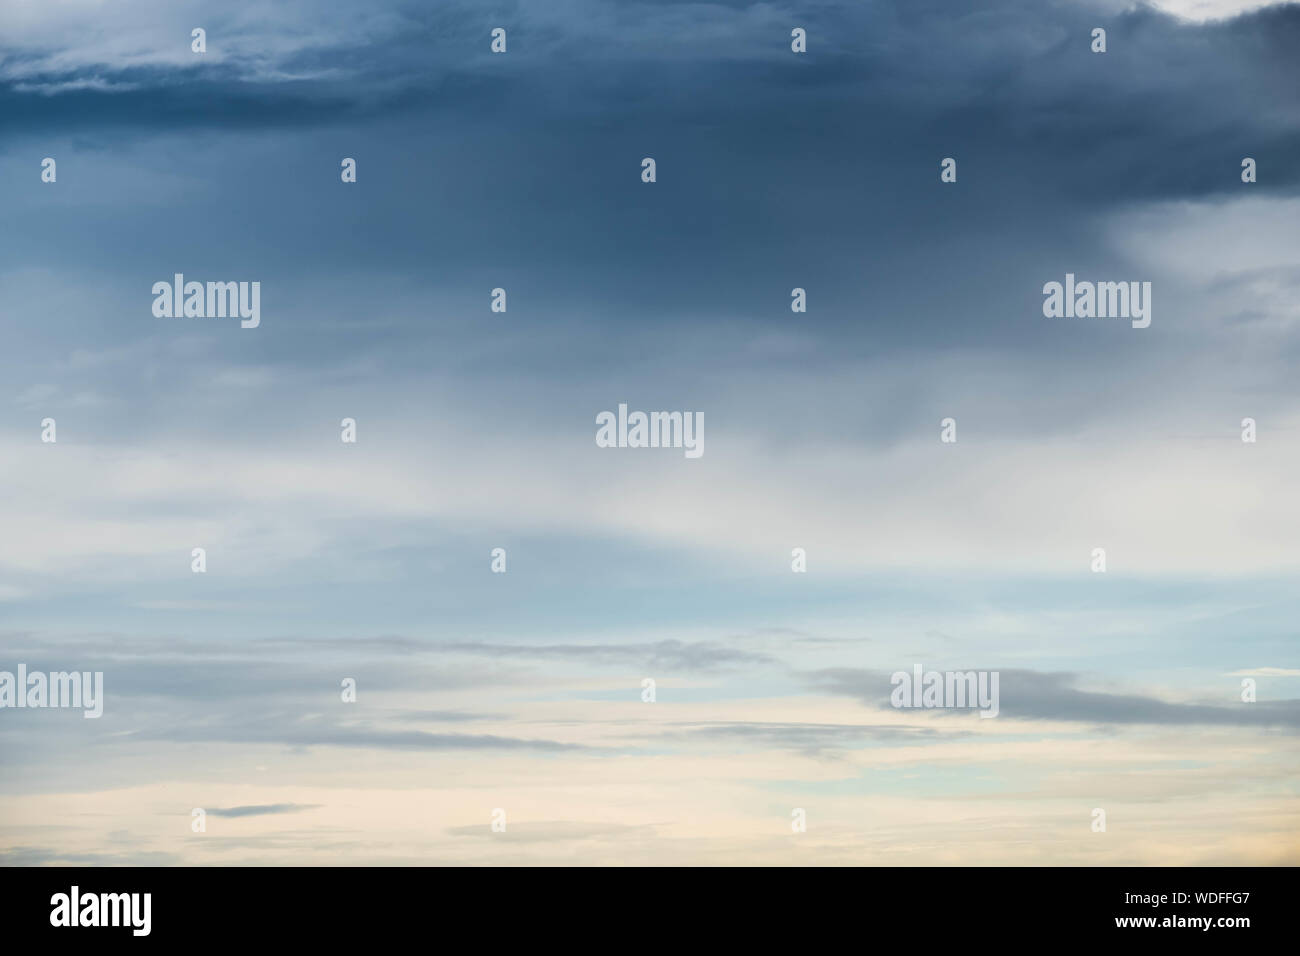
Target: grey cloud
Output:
[(446, 716), (43, 856), (290, 731), (210, 671), (674, 654), (259, 810), (546, 831), (1040, 695), (810, 738)]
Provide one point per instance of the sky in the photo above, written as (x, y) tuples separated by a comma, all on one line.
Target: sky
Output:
[(523, 691)]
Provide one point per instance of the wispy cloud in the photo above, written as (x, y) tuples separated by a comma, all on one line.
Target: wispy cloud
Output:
[(267, 809), (1037, 695)]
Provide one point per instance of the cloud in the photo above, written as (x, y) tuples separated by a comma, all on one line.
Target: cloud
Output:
[(671, 653), (267, 809), (1213, 9), (1039, 695), (371, 560), (565, 832), (47, 856), (1002, 78), (810, 739), (675, 655), (445, 716), (285, 730)]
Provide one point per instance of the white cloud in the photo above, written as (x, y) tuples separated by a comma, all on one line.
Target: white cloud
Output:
[(1200, 10), (1157, 501)]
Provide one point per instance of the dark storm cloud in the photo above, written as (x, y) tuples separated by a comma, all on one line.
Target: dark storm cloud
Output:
[(1010, 86), (774, 170)]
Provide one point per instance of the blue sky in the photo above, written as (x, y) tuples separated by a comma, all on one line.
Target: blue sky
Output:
[(475, 431)]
